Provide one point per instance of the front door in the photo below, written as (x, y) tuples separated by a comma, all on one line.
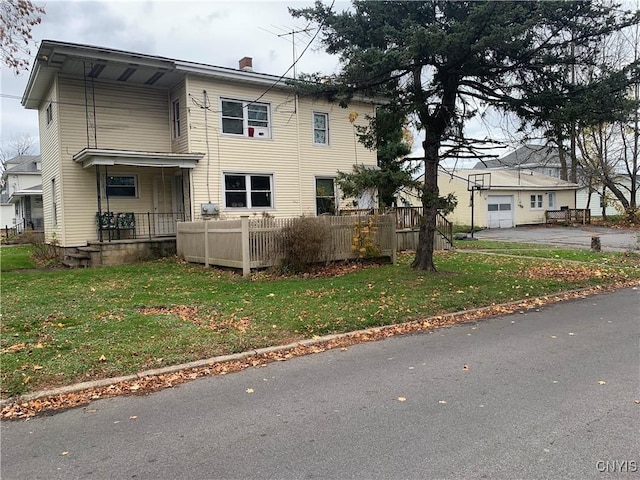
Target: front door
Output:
[(163, 215)]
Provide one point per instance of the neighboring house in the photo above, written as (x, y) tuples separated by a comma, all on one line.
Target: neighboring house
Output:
[(536, 158), (22, 192), (545, 160), (173, 140), (595, 200), (502, 198)]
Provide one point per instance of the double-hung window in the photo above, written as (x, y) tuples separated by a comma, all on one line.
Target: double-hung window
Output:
[(536, 202), (121, 186), (249, 119), (552, 200), (242, 190), (325, 196), (320, 128)]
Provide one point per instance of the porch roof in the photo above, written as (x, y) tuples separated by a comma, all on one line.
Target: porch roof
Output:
[(25, 192), (90, 157)]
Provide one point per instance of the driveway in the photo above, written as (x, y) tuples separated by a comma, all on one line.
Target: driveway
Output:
[(612, 239)]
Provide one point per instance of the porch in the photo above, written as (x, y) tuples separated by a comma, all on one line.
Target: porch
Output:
[(126, 237)]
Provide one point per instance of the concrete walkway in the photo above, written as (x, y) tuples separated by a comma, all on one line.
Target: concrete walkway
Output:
[(612, 239)]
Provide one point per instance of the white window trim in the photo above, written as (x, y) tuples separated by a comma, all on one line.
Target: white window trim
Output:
[(336, 197), (538, 203), (248, 176), (176, 126), (245, 119), (135, 184), (313, 128)]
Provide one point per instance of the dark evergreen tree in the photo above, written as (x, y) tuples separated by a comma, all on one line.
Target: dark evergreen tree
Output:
[(439, 61)]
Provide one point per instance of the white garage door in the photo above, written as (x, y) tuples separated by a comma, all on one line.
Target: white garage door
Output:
[(500, 211)]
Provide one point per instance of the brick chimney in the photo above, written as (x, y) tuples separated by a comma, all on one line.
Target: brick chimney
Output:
[(246, 64)]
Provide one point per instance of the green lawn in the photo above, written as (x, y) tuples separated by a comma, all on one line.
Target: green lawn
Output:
[(63, 326), (15, 258)]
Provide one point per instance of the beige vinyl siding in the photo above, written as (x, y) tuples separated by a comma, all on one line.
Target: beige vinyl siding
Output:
[(127, 118), (50, 155), (341, 154), (293, 160)]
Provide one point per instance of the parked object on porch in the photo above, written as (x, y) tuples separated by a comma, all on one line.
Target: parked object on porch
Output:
[(115, 224)]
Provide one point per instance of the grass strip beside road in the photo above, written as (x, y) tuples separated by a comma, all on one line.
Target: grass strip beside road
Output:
[(64, 326)]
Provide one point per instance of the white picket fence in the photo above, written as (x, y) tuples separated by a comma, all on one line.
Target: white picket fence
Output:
[(255, 242)]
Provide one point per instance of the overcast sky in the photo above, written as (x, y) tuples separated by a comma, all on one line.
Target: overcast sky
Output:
[(213, 32)]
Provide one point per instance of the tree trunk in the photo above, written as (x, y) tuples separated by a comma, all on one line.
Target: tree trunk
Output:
[(430, 194)]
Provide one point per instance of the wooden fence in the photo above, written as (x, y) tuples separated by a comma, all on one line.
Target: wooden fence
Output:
[(568, 215), (255, 243), (408, 221)]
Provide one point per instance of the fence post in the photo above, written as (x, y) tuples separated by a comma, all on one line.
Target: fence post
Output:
[(246, 253), (394, 239), (206, 242)]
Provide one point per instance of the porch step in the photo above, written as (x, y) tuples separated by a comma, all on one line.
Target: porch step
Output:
[(89, 249), (80, 255), (73, 262)]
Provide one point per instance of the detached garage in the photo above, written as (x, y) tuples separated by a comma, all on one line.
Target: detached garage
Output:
[(501, 198)]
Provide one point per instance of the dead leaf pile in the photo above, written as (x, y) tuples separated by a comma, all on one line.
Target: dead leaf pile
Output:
[(569, 272), (207, 320), (144, 385)]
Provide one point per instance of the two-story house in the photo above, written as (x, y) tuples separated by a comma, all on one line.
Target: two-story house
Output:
[(21, 193), (163, 140)]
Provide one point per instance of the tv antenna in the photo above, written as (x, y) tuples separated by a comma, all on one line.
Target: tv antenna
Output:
[(293, 31)]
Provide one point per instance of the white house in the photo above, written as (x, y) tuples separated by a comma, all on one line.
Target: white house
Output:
[(22, 193), (160, 140)]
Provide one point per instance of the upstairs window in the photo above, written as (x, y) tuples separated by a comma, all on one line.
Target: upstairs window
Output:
[(248, 119), (175, 114), (320, 128)]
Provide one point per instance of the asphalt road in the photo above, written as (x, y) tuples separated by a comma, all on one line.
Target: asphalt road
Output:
[(548, 394), (611, 239)]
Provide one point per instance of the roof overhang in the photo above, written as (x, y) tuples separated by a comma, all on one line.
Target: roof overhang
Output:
[(91, 157), (27, 192)]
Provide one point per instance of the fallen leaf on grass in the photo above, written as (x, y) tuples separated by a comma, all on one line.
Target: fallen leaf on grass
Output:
[(38, 367), (102, 358), (18, 347)]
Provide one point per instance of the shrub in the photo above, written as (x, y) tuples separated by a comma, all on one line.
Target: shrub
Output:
[(303, 243), (45, 254)]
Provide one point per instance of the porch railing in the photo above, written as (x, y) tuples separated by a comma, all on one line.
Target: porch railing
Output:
[(135, 225), (408, 218), (568, 216), (20, 226)]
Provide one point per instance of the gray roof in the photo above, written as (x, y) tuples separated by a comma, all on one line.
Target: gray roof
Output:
[(527, 156), (22, 164)]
